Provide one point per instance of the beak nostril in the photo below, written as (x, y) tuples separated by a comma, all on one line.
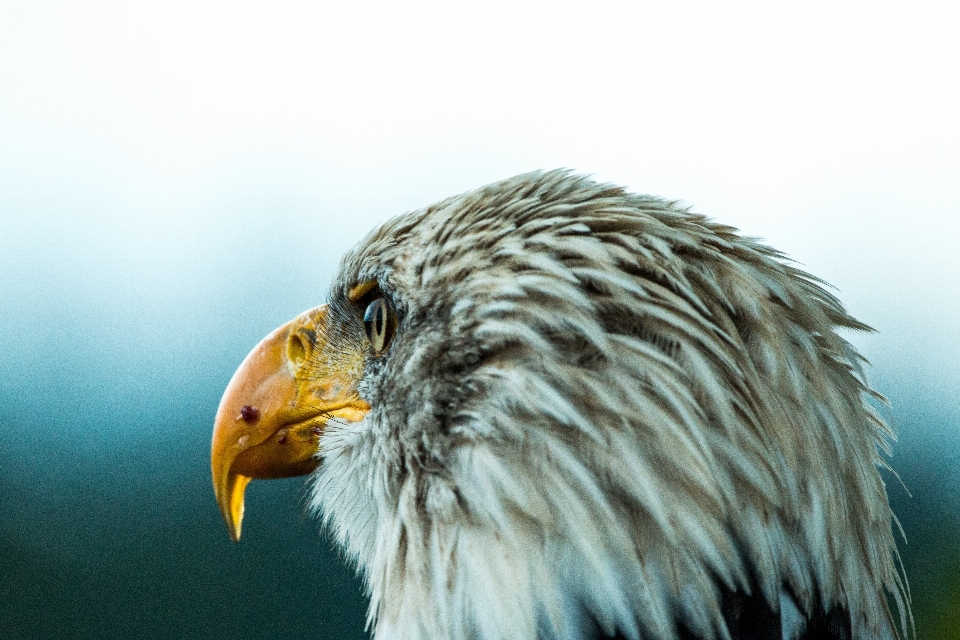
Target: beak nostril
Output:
[(249, 414), (296, 348)]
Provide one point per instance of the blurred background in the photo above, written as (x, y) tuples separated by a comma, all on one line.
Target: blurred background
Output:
[(177, 179)]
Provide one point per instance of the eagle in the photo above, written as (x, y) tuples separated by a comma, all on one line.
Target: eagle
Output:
[(553, 409)]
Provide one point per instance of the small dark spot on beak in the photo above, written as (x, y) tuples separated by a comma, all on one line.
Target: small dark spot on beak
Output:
[(249, 413)]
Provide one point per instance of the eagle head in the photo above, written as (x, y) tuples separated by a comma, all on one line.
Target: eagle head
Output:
[(550, 408)]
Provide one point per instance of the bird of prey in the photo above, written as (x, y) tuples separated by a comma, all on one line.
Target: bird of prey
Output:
[(553, 409)]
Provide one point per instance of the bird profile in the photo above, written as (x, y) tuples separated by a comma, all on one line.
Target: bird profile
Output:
[(553, 409)]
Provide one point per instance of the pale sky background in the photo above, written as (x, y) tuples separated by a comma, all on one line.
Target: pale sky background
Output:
[(176, 179)]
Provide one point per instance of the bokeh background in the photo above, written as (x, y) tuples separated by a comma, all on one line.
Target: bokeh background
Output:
[(177, 179)]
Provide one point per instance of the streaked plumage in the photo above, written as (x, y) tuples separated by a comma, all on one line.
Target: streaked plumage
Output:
[(601, 415)]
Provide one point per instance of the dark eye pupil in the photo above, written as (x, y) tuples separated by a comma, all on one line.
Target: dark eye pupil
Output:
[(378, 323)]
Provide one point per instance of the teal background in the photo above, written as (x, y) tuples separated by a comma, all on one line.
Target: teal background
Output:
[(177, 179)]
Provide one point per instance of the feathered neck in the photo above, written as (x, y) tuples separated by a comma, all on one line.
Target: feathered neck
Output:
[(600, 409)]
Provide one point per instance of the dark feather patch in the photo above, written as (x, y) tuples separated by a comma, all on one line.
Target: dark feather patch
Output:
[(834, 625), (750, 617)]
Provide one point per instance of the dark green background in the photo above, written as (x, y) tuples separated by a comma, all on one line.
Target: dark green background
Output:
[(108, 525)]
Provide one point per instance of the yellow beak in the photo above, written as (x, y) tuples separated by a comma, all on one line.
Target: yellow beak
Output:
[(274, 410)]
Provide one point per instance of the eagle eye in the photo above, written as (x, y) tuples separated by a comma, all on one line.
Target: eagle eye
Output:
[(379, 322)]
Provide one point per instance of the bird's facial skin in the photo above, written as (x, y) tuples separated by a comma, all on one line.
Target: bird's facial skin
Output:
[(273, 411)]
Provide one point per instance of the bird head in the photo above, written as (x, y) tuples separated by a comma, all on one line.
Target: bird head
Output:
[(551, 406)]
